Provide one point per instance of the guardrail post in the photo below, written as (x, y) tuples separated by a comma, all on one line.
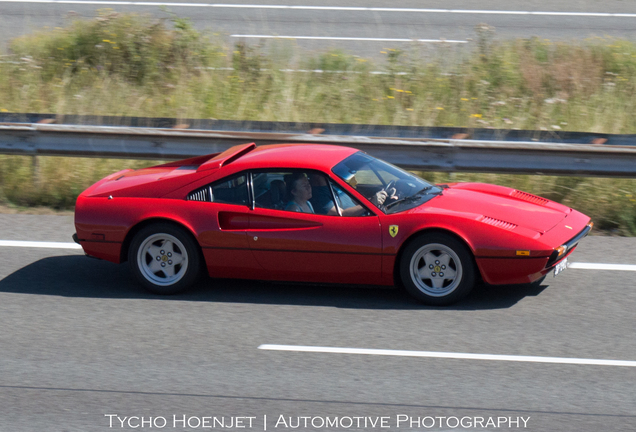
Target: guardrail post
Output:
[(35, 171)]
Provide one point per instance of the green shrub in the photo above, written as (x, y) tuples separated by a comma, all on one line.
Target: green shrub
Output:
[(134, 65)]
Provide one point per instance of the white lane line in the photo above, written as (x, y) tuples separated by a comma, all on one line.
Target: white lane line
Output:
[(349, 38), (335, 8), (63, 245), (448, 355), (37, 244), (601, 266)]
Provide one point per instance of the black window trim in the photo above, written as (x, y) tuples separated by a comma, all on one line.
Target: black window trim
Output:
[(336, 202), (330, 182), (250, 191), (251, 195)]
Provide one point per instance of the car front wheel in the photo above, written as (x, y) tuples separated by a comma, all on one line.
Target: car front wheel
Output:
[(437, 269), (164, 258)]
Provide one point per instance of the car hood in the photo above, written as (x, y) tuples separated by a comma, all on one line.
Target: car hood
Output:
[(499, 206)]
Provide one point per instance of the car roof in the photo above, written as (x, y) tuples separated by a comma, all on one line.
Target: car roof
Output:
[(309, 156)]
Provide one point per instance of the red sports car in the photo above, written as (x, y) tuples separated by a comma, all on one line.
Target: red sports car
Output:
[(325, 214)]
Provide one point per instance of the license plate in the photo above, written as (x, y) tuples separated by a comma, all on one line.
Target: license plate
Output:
[(560, 267)]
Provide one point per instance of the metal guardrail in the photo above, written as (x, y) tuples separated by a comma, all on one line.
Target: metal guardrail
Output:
[(368, 130), (424, 154)]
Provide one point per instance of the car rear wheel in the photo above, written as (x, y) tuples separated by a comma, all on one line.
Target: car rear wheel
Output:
[(164, 258), (437, 269)]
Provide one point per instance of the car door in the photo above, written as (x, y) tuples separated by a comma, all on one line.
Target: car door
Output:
[(298, 246), (223, 210)]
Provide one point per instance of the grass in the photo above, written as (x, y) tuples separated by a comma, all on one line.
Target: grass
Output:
[(132, 65), (56, 181)]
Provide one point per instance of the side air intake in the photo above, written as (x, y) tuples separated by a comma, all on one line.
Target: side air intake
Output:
[(200, 195)]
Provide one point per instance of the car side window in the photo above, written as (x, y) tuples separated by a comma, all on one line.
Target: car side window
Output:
[(270, 189), (230, 190), (346, 201), (303, 191)]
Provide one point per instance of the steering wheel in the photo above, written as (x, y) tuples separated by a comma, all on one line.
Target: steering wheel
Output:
[(390, 186)]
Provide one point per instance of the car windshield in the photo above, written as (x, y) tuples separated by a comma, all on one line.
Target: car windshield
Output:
[(371, 176)]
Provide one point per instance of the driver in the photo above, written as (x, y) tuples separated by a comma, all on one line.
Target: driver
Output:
[(323, 200)]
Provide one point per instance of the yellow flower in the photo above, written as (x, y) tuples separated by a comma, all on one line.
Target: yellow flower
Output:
[(440, 108), (382, 52), (390, 97), (106, 40), (4, 110), (476, 115), (465, 99), (409, 109)]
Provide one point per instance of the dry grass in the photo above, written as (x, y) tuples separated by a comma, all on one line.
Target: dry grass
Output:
[(129, 65), (610, 202)]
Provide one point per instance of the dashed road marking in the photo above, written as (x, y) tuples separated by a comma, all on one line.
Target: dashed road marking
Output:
[(601, 266), (449, 355), (337, 8), (339, 38), (64, 245), (39, 244)]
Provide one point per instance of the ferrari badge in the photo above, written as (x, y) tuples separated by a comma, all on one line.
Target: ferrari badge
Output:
[(393, 230)]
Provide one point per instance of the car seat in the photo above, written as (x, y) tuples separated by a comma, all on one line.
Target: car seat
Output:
[(277, 193)]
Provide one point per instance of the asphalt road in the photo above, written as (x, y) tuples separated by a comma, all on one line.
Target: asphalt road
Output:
[(80, 341), (431, 20)]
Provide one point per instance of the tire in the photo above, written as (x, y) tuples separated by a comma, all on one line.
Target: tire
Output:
[(443, 256), (164, 258)]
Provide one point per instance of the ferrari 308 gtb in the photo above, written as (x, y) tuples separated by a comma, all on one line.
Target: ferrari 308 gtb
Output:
[(321, 214)]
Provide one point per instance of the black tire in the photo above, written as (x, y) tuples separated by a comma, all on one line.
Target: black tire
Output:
[(430, 283), (167, 249)]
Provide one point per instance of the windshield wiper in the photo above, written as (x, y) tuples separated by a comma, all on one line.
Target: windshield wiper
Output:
[(424, 189), (401, 200)]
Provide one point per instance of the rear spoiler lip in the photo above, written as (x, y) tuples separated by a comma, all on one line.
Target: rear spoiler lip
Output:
[(227, 157)]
